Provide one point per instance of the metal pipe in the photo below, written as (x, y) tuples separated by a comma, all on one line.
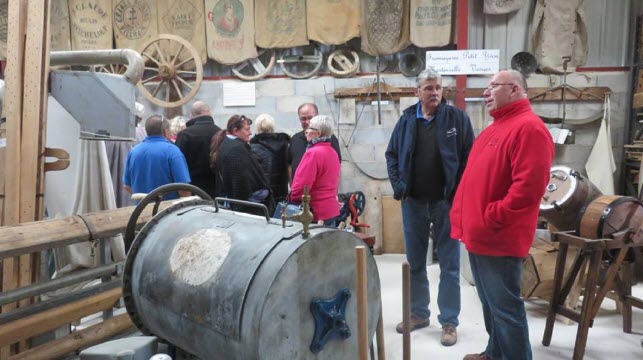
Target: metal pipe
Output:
[(9, 297), (129, 57), (379, 91)]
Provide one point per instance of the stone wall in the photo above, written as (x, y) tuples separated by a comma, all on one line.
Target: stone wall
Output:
[(363, 138)]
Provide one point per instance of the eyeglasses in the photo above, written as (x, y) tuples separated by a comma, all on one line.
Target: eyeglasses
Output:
[(306, 118), (495, 85), (239, 123)]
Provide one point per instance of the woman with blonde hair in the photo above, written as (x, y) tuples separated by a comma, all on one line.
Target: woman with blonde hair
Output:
[(271, 151), (177, 124)]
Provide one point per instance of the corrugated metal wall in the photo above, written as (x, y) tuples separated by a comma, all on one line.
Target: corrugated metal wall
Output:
[(610, 27)]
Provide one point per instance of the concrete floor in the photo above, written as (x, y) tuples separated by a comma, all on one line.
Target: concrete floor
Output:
[(606, 339)]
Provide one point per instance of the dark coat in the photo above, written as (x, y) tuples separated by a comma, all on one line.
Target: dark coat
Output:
[(194, 143), (271, 151), (455, 138), (239, 175)]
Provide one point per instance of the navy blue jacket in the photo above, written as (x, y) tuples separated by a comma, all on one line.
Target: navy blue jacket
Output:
[(454, 135)]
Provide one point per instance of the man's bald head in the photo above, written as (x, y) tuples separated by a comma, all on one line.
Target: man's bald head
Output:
[(200, 108)]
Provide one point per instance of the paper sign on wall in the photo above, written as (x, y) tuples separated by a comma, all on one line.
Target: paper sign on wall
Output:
[(464, 62), (239, 93)]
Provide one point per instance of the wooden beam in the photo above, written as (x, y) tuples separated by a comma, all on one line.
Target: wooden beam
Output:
[(48, 320), (395, 93), (78, 339), (462, 26)]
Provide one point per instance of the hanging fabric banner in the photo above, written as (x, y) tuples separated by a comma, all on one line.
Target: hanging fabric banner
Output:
[(230, 30), (135, 23), (280, 23), (559, 29), (332, 22), (59, 26), (91, 24), (431, 24), (184, 18), (497, 7), (385, 26), (600, 165)]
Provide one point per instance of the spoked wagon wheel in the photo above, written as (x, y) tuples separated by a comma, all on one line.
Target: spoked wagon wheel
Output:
[(117, 69), (256, 68), (170, 75)]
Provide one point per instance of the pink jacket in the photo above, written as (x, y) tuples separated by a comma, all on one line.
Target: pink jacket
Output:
[(319, 169)]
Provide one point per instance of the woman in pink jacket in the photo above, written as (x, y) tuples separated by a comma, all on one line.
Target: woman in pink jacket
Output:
[(319, 170)]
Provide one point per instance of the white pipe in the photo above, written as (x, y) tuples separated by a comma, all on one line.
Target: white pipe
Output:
[(129, 57)]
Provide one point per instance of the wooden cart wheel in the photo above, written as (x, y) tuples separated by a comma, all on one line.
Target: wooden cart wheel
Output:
[(255, 68), (343, 63), (302, 66), (170, 75), (118, 69)]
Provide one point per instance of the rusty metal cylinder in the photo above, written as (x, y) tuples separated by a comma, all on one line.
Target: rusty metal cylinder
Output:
[(224, 285)]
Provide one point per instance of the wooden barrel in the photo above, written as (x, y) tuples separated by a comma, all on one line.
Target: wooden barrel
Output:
[(566, 194), (609, 214), (537, 280)]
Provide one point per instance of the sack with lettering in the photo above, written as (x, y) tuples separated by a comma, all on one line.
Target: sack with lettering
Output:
[(135, 23), (91, 24), (332, 22), (496, 7), (385, 26), (59, 26), (184, 18), (280, 23), (230, 30), (431, 24)]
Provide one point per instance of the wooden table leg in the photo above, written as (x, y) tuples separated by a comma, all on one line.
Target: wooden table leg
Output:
[(626, 270), (588, 301), (555, 297)]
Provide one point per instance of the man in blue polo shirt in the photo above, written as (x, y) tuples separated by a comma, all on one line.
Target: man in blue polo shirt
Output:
[(155, 161)]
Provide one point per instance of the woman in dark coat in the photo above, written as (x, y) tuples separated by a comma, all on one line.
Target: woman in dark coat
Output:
[(238, 174), (271, 151)]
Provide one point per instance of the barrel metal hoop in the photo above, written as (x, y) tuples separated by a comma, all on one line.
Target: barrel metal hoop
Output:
[(610, 207), (128, 299), (90, 227), (330, 319)]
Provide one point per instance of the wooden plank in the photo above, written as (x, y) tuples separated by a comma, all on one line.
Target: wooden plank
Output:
[(90, 336), (392, 235), (637, 101), (16, 27), (48, 320), (41, 235)]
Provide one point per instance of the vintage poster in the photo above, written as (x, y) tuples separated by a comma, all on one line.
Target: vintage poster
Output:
[(431, 22), (230, 30), (332, 22), (385, 26), (91, 24), (135, 23), (280, 23), (59, 26), (184, 18)]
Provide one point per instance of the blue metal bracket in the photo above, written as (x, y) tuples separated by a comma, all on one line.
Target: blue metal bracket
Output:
[(330, 319)]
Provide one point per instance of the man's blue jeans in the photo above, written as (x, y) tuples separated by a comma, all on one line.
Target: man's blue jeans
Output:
[(417, 215), (498, 285)]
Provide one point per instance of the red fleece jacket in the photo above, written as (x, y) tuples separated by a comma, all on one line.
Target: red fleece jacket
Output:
[(495, 208), (319, 169)]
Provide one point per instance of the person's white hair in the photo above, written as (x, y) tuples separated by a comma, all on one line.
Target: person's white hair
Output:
[(177, 124), (322, 123), (264, 124)]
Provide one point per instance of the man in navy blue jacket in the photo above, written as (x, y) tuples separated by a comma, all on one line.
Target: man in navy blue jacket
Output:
[(425, 158)]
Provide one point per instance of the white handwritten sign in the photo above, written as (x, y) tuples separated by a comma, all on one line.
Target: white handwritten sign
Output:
[(464, 62), (236, 93)]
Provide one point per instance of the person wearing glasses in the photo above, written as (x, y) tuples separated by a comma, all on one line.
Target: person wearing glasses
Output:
[(298, 142), (155, 161), (495, 210), (425, 158), (319, 170), (237, 173)]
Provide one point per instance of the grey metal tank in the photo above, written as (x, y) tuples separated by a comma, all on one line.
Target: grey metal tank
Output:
[(225, 285)]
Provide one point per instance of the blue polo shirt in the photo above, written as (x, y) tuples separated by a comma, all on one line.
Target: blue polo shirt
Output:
[(420, 116), (153, 163)]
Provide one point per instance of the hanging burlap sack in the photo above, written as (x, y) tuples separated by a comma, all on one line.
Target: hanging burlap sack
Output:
[(431, 23), (184, 18), (59, 26), (230, 30), (91, 24), (4, 10), (332, 22), (385, 26), (280, 23), (559, 30), (496, 7), (135, 23)]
